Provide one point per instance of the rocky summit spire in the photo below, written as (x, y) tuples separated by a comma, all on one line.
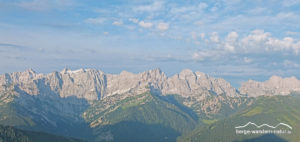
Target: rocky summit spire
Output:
[(65, 70)]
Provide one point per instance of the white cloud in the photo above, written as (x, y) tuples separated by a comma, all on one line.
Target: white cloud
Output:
[(296, 48), (292, 33), (257, 36), (257, 42), (44, 5), (201, 55), (288, 3), (155, 6), (134, 20), (289, 63), (232, 37), (258, 10), (214, 37), (230, 41), (163, 26), (197, 36), (189, 9), (278, 44), (118, 23), (260, 41), (229, 47), (95, 20), (202, 5), (145, 24), (286, 15), (207, 54)]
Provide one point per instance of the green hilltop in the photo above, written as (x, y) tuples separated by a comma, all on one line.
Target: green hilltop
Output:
[(270, 110), (146, 117)]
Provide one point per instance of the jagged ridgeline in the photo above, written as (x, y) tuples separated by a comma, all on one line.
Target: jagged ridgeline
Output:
[(92, 105)]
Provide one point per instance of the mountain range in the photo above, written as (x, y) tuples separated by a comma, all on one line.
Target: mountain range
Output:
[(150, 106)]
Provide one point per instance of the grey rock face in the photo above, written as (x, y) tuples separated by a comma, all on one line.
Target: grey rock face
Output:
[(93, 84), (88, 84), (129, 83), (189, 83), (274, 86), (63, 97)]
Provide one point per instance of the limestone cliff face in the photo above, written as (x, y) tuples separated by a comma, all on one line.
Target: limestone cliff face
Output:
[(127, 82), (93, 84), (75, 97), (188, 83), (274, 86), (25, 80), (88, 84)]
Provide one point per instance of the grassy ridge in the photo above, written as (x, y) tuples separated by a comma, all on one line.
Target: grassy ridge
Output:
[(152, 118), (270, 110)]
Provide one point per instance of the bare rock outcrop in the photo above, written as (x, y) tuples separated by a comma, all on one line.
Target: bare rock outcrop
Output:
[(92, 84), (274, 86)]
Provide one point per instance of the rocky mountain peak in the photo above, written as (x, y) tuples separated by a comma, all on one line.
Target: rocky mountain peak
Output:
[(68, 71), (275, 79), (155, 74), (94, 84), (30, 71), (201, 75), (155, 71), (64, 71), (125, 73), (186, 73), (276, 85), (24, 77), (188, 83)]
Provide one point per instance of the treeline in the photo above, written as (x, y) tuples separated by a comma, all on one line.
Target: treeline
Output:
[(11, 134)]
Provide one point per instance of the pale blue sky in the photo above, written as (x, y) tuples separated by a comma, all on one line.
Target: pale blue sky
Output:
[(234, 39)]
